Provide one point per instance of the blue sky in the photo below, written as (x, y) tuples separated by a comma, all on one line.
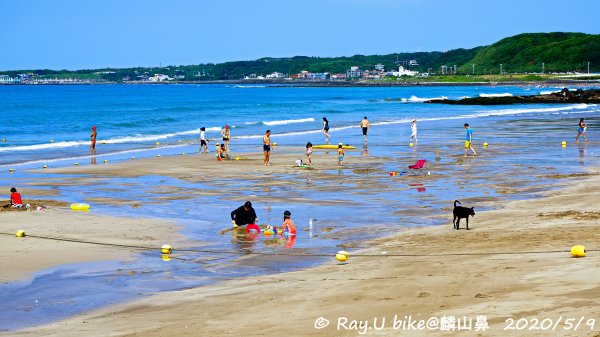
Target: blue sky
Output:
[(82, 34)]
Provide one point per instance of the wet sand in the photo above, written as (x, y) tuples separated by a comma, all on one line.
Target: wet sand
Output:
[(20, 258), (506, 266)]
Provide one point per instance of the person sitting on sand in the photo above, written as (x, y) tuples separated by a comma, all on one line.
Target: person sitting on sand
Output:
[(221, 152), (15, 198), (309, 151), (243, 215)]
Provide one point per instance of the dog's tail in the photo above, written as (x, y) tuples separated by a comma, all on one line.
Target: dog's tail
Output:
[(456, 201)]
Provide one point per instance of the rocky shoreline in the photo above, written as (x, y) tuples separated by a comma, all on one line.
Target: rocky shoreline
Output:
[(561, 97)]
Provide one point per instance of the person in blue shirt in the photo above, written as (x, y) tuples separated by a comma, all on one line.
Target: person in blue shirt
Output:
[(469, 141)]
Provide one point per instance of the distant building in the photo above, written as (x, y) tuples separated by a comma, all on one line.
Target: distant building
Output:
[(404, 72), (159, 78), (354, 72), (380, 67), (5, 79), (317, 76), (338, 76), (275, 75)]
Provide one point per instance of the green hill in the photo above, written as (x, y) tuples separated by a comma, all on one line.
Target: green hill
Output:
[(524, 53), (560, 52)]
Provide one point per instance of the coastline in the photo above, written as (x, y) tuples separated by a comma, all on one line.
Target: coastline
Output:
[(483, 281), (335, 84)]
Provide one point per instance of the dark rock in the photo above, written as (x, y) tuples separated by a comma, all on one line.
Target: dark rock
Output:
[(562, 97)]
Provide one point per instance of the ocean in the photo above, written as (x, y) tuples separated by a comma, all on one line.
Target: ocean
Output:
[(50, 125)]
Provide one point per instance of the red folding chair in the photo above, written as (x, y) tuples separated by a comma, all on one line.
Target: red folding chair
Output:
[(418, 168)]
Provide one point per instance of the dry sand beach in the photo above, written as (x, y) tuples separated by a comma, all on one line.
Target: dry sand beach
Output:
[(514, 263)]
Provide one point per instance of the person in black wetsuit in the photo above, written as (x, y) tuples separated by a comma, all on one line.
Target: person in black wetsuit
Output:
[(243, 215)]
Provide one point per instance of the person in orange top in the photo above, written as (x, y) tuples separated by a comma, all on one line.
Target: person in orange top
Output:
[(15, 198), (288, 224), (93, 141)]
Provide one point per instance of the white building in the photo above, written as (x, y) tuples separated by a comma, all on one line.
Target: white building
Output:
[(159, 78), (380, 67), (404, 72), (275, 75)]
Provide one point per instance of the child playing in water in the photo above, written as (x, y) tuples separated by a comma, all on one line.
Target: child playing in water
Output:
[(15, 198), (309, 152), (340, 155), (289, 228)]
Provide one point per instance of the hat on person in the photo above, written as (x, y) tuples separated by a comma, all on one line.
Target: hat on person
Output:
[(93, 127), (287, 213)]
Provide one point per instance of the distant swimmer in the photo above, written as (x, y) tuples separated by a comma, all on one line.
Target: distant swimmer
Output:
[(267, 147), (364, 124), (326, 127), (581, 131), (413, 129), (203, 141), (93, 141), (469, 141)]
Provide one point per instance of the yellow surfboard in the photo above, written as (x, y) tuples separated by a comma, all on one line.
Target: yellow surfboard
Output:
[(332, 147)]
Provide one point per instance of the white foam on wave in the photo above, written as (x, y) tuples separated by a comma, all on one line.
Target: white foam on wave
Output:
[(118, 140), (289, 121), (506, 94), (415, 99), (249, 86)]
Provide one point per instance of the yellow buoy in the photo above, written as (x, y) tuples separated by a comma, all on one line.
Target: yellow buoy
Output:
[(51, 140), (578, 251), (274, 144), (11, 170), (158, 155), (157, 143), (485, 144), (564, 144), (103, 142), (166, 249), (165, 257), (20, 233), (237, 158), (3, 140), (44, 167), (76, 164), (105, 161), (342, 256), (78, 206), (411, 144), (132, 158)]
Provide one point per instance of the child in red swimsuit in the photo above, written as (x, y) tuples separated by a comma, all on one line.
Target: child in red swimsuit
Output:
[(15, 198)]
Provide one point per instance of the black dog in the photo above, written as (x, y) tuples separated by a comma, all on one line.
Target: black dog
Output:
[(461, 212)]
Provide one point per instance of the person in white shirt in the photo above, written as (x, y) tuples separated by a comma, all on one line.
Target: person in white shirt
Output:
[(203, 142), (413, 129)]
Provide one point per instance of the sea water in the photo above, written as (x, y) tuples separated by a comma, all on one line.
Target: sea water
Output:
[(524, 143)]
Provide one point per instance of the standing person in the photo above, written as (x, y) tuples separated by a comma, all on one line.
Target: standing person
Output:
[(364, 124), (469, 141), (15, 199), (326, 127), (267, 147), (226, 136), (93, 141), (243, 215), (203, 142), (413, 129), (581, 131), (340, 155), (309, 151)]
